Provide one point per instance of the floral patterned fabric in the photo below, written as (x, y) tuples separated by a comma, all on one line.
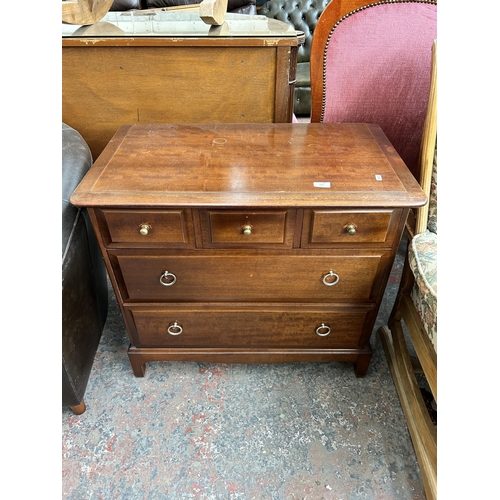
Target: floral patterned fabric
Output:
[(432, 223), (422, 257)]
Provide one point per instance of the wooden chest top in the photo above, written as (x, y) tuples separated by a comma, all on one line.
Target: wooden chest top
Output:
[(252, 165)]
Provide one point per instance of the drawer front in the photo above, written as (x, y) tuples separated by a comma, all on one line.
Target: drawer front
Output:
[(215, 276), (226, 228), (329, 227), (172, 227), (232, 327)]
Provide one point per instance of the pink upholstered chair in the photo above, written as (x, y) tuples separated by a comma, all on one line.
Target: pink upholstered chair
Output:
[(370, 62), (416, 308)]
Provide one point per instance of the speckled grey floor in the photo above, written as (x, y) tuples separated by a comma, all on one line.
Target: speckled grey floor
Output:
[(217, 431)]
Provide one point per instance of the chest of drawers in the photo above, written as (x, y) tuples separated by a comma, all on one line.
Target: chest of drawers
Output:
[(249, 243)]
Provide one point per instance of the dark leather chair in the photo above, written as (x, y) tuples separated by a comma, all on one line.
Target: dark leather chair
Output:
[(303, 16), (84, 281)]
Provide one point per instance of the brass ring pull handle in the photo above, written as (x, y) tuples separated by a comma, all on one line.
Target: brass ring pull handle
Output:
[(168, 279), (247, 230), (144, 229), (174, 328), (351, 229), (327, 278), (323, 330)]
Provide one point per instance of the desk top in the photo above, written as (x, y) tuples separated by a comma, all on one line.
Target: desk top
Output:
[(167, 24), (249, 165)]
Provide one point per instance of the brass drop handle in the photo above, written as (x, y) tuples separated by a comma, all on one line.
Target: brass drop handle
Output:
[(331, 278), (168, 279), (323, 330), (351, 229), (247, 230), (174, 328), (144, 229)]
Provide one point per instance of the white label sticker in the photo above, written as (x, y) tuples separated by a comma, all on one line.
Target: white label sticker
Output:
[(322, 185), (378, 177)]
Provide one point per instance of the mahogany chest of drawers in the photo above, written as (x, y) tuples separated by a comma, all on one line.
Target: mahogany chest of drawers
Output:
[(251, 243)]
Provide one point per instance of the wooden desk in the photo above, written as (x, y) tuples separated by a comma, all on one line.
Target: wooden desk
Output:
[(171, 67), (249, 243)]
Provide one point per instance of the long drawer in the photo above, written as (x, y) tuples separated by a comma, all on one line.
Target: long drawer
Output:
[(227, 277), (218, 326)]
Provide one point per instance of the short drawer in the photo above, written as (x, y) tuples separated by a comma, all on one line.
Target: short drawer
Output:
[(170, 227), (226, 228), (248, 327), (330, 227), (208, 276)]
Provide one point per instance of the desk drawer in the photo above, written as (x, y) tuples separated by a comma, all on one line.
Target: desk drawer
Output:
[(223, 276), (329, 227), (210, 326), (169, 227), (244, 228)]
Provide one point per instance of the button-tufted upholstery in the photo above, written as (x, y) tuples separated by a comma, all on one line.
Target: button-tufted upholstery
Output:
[(303, 16)]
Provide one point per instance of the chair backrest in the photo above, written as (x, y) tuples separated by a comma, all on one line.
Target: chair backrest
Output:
[(426, 216), (370, 62)]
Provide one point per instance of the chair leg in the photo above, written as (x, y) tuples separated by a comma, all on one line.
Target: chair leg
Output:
[(405, 286), (425, 351), (79, 409), (422, 431)]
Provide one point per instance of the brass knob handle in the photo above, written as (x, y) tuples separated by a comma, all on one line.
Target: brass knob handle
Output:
[(351, 229), (331, 278), (168, 279), (247, 230), (144, 229), (174, 328), (323, 330)]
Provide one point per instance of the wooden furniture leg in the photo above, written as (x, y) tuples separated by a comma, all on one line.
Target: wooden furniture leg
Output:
[(361, 365), (137, 362), (79, 409), (422, 430)]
